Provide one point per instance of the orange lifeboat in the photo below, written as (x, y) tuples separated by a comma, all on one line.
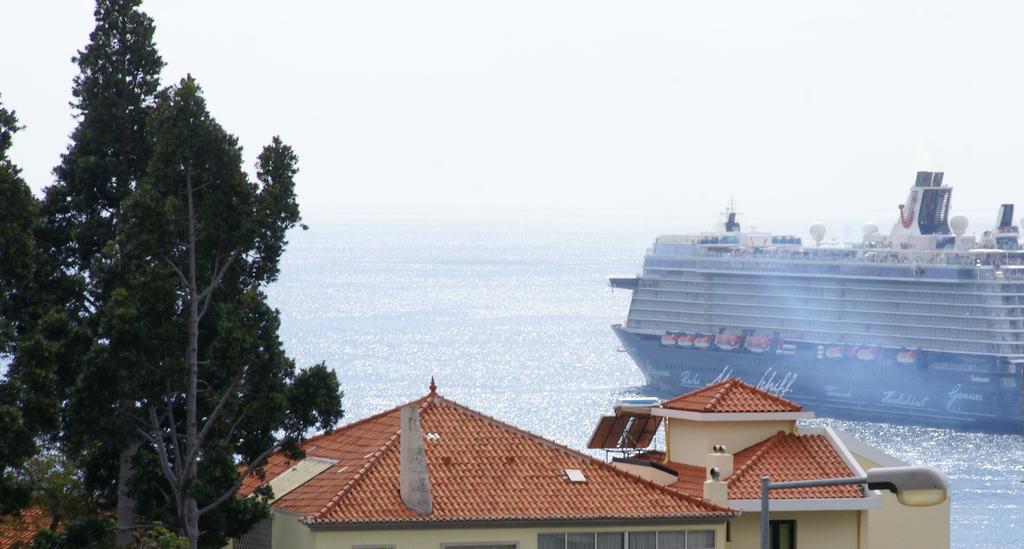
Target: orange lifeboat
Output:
[(906, 357), (867, 353), (669, 339), (727, 342), (702, 342), (685, 340), (758, 344), (834, 352)]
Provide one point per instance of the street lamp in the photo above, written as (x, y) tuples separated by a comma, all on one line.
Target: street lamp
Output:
[(914, 486)]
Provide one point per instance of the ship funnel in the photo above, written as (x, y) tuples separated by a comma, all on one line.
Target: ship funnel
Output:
[(1005, 218), (926, 211)]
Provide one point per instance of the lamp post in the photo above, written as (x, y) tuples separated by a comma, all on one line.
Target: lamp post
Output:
[(914, 486)]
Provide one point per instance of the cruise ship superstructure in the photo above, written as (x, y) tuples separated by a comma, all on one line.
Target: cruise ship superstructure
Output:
[(923, 325)]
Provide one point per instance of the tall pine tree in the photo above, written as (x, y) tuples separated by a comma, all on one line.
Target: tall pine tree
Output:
[(114, 91), (18, 214), (199, 241)]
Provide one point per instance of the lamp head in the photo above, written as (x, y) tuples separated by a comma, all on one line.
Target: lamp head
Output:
[(915, 486)]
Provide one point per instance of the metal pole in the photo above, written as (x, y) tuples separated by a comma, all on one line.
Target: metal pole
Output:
[(767, 485), (765, 533)]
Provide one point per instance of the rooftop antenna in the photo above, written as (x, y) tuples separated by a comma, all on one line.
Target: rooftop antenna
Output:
[(731, 225)]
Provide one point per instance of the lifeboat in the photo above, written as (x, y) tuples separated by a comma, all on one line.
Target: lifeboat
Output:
[(758, 344), (685, 340), (702, 342), (867, 353), (727, 342), (834, 352), (669, 339), (906, 357)]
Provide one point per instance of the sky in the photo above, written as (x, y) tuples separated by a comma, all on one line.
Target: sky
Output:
[(803, 111)]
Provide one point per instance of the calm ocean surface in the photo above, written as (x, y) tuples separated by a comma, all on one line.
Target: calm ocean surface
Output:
[(511, 316)]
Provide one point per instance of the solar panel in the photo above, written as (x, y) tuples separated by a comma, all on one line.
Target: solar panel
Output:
[(608, 432), (624, 431)]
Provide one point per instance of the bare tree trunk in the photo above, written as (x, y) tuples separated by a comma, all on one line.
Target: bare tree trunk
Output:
[(191, 512), (125, 502)]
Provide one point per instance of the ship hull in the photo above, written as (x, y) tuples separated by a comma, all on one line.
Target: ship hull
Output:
[(846, 387)]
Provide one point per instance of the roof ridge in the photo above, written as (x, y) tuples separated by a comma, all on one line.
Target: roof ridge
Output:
[(360, 421), (588, 458), (723, 391), (390, 443), (766, 445), (699, 390), (776, 398)]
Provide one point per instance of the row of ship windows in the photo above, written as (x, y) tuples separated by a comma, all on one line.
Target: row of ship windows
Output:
[(873, 285), (903, 271), (848, 315), (668, 299), (837, 326), (839, 293), (826, 336)]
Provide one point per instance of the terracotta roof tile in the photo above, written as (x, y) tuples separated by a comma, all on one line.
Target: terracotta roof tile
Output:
[(480, 469), (19, 530), (782, 457), (730, 396)]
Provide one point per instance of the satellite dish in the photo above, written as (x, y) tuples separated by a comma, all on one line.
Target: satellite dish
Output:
[(959, 224), (818, 233), (870, 229)]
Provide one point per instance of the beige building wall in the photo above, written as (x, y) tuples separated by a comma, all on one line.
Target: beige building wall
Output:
[(896, 526), (814, 529), (645, 472), (290, 534), (691, 441)]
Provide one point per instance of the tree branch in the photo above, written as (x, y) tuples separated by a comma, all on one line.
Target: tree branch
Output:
[(181, 275), (194, 453), (165, 464), (206, 296), (238, 483)]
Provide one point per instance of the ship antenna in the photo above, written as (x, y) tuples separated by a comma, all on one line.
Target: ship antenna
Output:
[(731, 225)]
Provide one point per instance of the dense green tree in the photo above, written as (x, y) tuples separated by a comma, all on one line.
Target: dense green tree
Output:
[(18, 210), (113, 93), (201, 240)]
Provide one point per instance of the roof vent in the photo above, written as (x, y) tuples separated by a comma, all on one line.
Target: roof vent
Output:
[(433, 436), (575, 475)]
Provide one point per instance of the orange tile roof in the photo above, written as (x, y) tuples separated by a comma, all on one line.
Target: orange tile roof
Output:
[(19, 530), (480, 469), (730, 396), (782, 457)]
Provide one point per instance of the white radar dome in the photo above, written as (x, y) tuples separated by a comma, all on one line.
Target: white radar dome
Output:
[(959, 224), (818, 232), (870, 228)]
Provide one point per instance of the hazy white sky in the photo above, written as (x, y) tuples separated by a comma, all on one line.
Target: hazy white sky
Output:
[(801, 110)]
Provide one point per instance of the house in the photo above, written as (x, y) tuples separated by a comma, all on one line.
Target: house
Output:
[(433, 473), (20, 529), (745, 433)]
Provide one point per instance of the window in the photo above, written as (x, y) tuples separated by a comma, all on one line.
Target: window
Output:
[(783, 534), (491, 545), (692, 539)]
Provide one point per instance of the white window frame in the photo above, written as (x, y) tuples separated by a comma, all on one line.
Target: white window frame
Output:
[(457, 544)]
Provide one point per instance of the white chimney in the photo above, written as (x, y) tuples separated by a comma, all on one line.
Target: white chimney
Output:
[(414, 485), (720, 458), (719, 468)]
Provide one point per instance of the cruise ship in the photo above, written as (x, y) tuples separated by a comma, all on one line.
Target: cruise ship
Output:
[(924, 325)]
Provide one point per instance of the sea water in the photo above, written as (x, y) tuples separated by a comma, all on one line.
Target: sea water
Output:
[(511, 315)]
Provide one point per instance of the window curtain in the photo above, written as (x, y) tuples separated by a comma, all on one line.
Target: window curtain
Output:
[(671, 540), (643, 540), (610, 540), (700, 539), (579, 541), (551, 541)]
